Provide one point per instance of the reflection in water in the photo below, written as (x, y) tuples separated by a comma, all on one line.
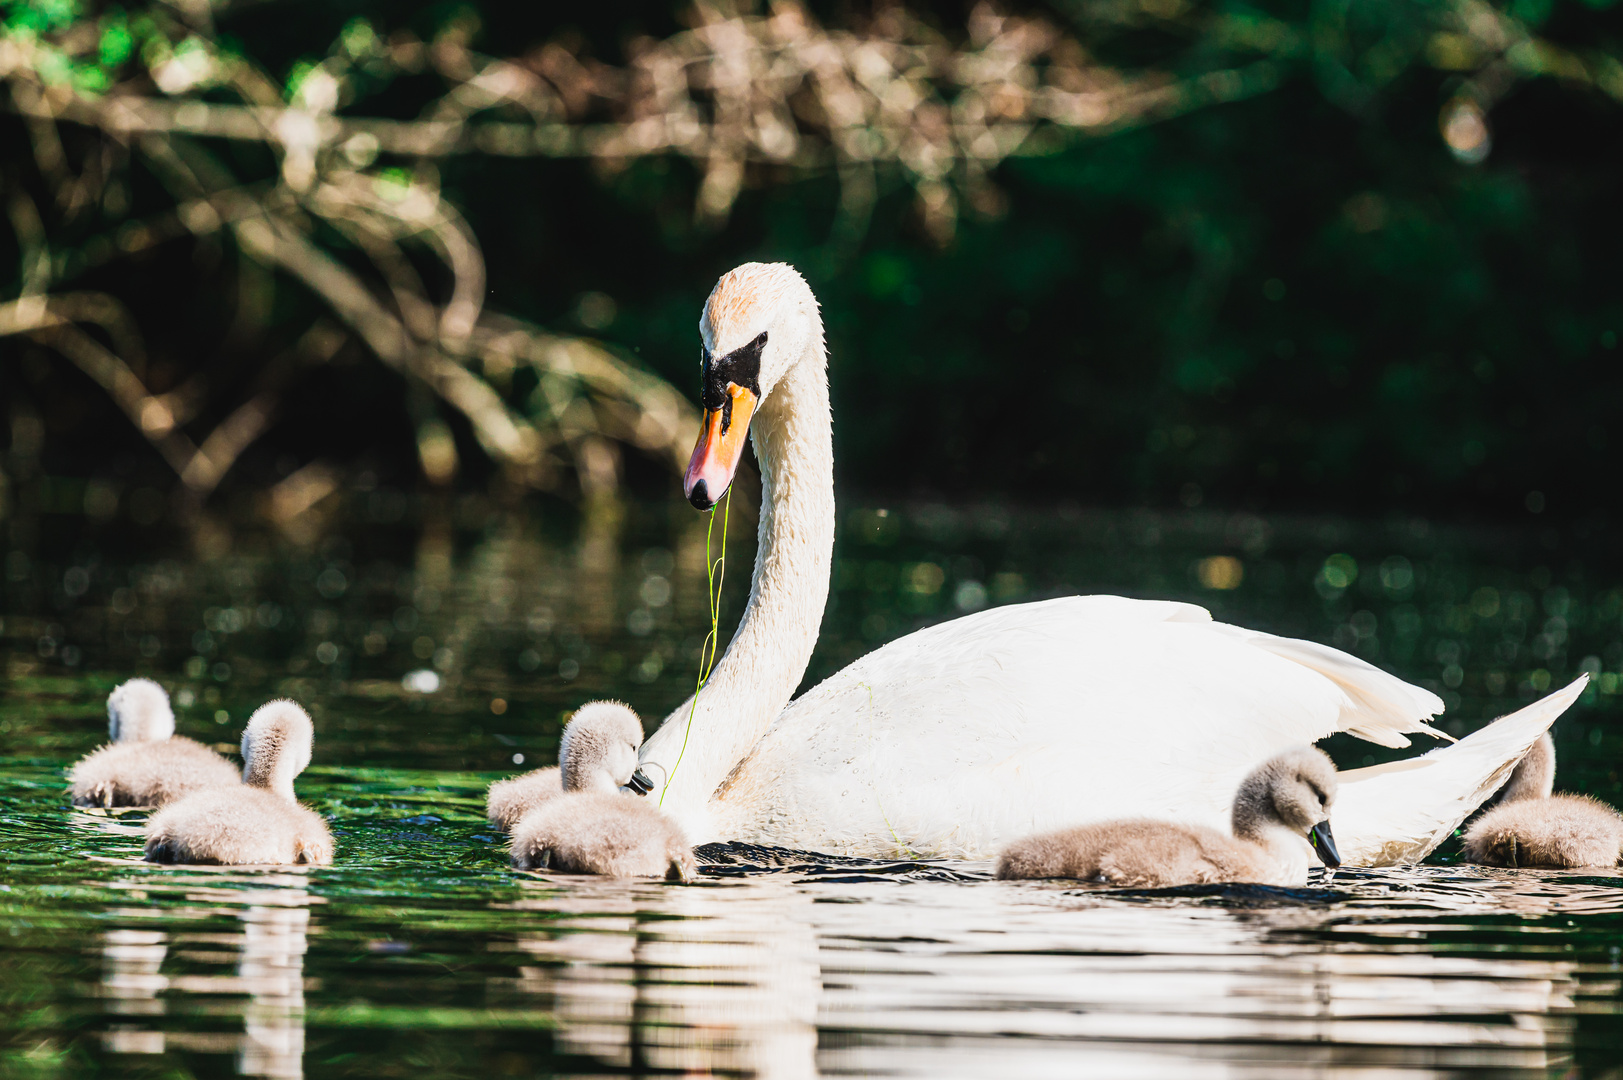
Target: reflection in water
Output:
[(267, 955), (693, 980), (272, 971), (1147, 989), (772, 977), (472, 970), (131, 981)]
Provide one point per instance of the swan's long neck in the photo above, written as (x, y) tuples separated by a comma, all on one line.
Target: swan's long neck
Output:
[(758, 674)]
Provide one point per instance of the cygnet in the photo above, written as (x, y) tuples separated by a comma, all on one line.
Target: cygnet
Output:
[(510, 799), (1281, 818), (593, 827), (259, 821), (1531, 827), (147, 764)]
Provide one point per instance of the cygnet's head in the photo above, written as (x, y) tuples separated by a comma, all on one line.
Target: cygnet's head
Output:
[(598, 751), (1295, 790), (759, 322), (276, 746), (138, 711)]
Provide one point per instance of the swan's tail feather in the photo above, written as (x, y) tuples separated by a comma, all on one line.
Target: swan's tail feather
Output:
[(1397, 813), (1379, 706)]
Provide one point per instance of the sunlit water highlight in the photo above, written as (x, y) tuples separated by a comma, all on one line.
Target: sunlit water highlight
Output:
[(420, 953)]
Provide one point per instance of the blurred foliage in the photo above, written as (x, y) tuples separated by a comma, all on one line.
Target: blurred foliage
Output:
[(1288, 255)]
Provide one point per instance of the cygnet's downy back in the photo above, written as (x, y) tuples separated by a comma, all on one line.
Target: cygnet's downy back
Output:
[(1281, 808), (512, 798), (147, 763), (593, 827), (259, 822), (1530, 827)]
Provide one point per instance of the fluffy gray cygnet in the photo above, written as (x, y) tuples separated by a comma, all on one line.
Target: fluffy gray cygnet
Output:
[(259, 821), (1281, 817), (1531, 827), (147, 764), (510, 799), (592, 827)]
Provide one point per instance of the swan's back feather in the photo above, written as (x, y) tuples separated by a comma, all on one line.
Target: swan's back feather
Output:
[(1379, 706), (958, 738), (1397, 812)]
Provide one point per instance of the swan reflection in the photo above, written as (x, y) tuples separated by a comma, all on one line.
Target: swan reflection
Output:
[(772, 976), (146, 974), (720, 978)]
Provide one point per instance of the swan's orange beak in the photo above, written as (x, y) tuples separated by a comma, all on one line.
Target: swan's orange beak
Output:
[(720, 446)]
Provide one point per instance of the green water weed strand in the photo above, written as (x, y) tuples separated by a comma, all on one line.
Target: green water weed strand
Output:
[(715, 574)]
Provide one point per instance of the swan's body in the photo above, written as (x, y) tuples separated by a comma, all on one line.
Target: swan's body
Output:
[(1279, 806), (1532, 827), (510, 799), (958, 738), (591, 827), (259, 821), (147, 764)]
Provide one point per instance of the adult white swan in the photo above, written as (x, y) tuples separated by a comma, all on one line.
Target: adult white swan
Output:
[(958, 738)]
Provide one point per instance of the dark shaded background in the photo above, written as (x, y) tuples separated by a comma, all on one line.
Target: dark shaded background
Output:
[(1297, 302)]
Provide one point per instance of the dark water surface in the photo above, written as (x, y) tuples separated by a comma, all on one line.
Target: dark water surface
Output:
[(439, 656)]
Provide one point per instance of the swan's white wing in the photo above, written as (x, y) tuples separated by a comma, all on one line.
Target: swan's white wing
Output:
[(961, 737), (1396, 813), (1380, 707)]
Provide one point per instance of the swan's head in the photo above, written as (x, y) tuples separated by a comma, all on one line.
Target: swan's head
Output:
[(598, 751), (276, 746), (760, 320), (1295, 790), (138, 711)]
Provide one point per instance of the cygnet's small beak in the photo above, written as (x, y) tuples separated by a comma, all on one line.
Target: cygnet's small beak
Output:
[(640, 783), (1324, 845), (720, 446)]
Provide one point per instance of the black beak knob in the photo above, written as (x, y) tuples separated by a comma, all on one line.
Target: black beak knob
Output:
[(640, 783)]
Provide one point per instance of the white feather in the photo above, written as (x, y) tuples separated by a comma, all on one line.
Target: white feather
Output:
[(1398, 812), (956, 739)]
